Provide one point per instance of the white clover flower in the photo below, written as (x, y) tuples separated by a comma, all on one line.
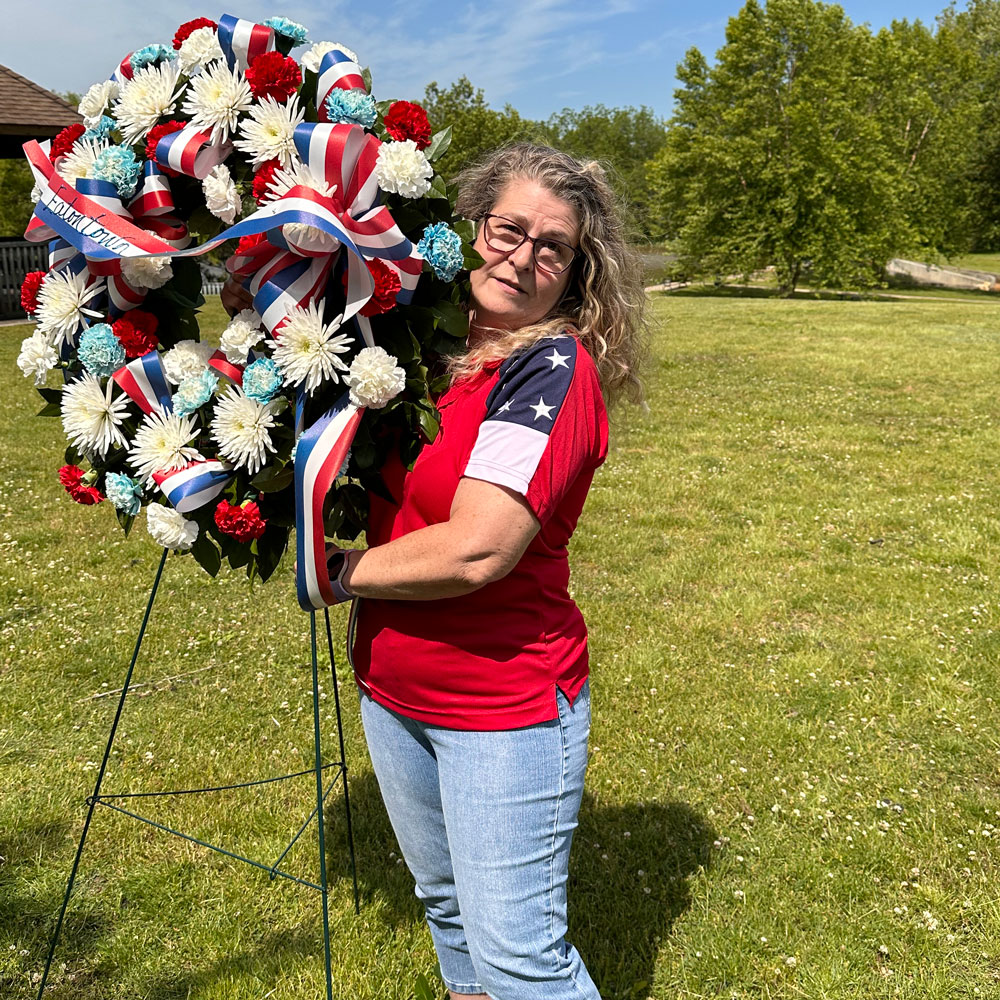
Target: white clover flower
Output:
[(307, 349), (79, 161), (163, 443), (269, 132), (186, 359), (312, 59), (95, 102), (216, 99), (242, 428), (91, 418), (241, 336), (374, 378), (150, 95), (221, 197), (62, 304), (37, 357), (170, 528), (147, 272), (199, 49), (403, 169)]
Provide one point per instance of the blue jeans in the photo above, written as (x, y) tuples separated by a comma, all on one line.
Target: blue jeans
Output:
[(484, 820)]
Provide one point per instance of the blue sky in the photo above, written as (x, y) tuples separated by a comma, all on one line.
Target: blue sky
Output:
[(539, 55)]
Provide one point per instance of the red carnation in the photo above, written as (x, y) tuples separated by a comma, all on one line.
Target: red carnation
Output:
[(71, 476), (273, 75), (63, 142), (189, 27), (406, 120), (262, 180), (240, 521), (387, 286), (154, 135), (136, 331), (29, 290)]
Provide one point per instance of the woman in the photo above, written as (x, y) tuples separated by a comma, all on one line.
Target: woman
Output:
[(470, 654)]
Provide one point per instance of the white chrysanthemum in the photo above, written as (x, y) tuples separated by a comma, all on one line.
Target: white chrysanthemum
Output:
[(199, 49), (222, 198), (147, 272), (403, 169), (186, 359), (374, 378), (62, 304), (301, 235), (162, 443), (216, 99), (241, 336), (269, 133), (80, 159), (242, 428), (36, 193), (95, 102), (37, 356), (150, 95), (91, 418), (312, 59), (169, 527), (307, 349)]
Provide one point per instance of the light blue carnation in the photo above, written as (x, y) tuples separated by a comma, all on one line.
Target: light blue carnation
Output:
[(194, 392), (123, 492), (105, 126), (100, 351), (119, 166), (262, 380), (351, 107), (441, 247), (149, 55), (290, 29)]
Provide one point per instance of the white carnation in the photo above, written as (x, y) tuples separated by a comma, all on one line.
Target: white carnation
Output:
[(147, 272), (37, 356), (403, 169), (221, 197), (95, 102), (199, 49), (312, 59), (186, 359), (374, 378), (169, 527), (241, 336)]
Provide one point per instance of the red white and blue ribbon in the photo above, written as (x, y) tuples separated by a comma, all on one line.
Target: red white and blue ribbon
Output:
[(337, 71), (319, 457), (242, 41), (194, 485), (191, 151), (144, 381)]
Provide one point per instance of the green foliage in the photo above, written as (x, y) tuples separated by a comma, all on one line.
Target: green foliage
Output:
[(816, 148), (15, 197)]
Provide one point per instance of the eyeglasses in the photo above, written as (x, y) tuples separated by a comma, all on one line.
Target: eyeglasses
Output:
[(505, 236)]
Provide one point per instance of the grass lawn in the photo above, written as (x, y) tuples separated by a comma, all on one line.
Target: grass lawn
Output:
[(979, 262), (786, 568)]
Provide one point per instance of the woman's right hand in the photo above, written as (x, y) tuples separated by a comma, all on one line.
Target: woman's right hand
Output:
[(235, 297)]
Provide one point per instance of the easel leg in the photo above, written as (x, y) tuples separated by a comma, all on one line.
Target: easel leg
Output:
[(92, 801), (319, 810), (343, 762)]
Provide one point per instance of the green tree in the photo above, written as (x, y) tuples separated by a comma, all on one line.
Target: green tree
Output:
[(476, 127), (788, 152), (623, 139), (15, 197)]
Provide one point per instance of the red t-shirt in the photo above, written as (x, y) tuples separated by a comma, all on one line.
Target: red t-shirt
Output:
[(492, 659)]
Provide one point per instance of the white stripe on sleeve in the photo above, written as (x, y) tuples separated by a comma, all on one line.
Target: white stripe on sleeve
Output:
[(507, 454)]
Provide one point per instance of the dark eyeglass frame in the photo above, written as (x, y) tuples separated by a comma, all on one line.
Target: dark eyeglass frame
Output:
[(533, 240)]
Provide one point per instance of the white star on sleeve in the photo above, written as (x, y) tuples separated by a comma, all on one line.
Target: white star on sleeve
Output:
[(558, 360), (542, 409), (506, 406)]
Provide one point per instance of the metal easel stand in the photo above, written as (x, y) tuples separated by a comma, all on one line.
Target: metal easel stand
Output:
[(338, 769)]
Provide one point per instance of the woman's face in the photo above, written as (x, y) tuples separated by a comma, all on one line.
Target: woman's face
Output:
[(509, 291)]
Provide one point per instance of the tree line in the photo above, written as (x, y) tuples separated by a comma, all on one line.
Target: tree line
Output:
[(811, 145)]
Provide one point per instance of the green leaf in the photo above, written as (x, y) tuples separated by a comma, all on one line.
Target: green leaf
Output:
[(438, 188), (271, 479), (451, 318), (366, 75), (49, 410), (270, 548), (430, 422), (206, 554), (440, 142), (50, 395), (125, 520), (466, 229), (422, 989)]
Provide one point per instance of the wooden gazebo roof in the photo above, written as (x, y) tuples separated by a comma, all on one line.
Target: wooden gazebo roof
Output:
[(28, 111)]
